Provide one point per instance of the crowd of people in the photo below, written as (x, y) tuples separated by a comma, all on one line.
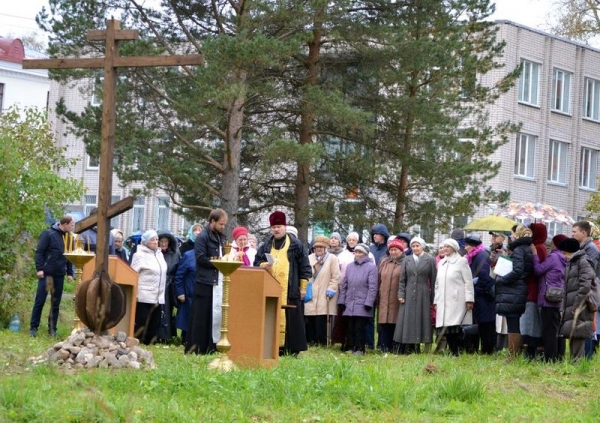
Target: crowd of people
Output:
[(389, 294)]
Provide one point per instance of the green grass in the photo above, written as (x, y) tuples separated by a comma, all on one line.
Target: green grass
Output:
[(322, 385)]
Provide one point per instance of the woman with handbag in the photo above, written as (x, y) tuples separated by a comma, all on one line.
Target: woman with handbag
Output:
[(577, 321), (551, 274)]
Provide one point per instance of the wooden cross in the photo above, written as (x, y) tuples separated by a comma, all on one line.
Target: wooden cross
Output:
[(112, 35)]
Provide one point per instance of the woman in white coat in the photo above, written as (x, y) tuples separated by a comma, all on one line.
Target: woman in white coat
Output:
[(454, 295), (151, 266)]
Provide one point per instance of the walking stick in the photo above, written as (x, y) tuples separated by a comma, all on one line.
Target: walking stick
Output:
[(328, 323)]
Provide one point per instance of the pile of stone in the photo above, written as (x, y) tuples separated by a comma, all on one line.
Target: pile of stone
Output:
[(85, 350)]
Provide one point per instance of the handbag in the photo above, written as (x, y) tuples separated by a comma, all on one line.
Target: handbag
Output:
[(308, 295), (554, 294)]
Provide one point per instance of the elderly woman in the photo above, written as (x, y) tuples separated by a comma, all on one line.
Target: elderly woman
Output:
[(325, 281), (193, 232), (240, 250), (148, 261), (413, 325), (335, 244), (454, 295), (484, 310), (511, 289), (389, 278), (577, 321), (168, 246), (358, 292)]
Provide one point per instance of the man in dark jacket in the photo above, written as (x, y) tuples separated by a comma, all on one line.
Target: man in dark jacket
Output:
[(292, 270), (210, 243), (51, 266)]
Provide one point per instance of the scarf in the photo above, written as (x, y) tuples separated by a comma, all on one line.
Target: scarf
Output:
[(245, 258), (335, 251), (471, 254)]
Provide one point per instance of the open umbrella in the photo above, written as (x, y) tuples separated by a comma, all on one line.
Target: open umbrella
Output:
[(544, 213), (491, 223)]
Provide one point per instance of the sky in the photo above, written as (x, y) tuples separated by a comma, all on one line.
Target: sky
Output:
[(17, 17)]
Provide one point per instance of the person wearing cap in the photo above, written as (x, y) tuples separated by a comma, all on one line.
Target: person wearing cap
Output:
[(405, 238), (149, 263), (454, 295), (577, 321), (484, 311), (292, 270), (389, 272), (551, 273), (335, 244), (205, 316), (458, 234), (168, 246), (415, 296), (325, 281), (240, 250), (340, 329), (497, 246), (511, 289), (357, 296)]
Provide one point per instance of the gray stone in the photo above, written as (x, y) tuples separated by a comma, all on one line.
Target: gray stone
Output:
[(133, 365), (121, 336), (132, 342)]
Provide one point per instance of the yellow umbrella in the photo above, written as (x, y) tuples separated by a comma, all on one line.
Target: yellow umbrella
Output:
[(491, 223)]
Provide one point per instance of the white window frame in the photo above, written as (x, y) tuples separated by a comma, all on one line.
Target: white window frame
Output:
[(554, 228), (561, 91), (557, 162), (525, 156), (588, 173), (529, 83), (591, 100), (137, 217), (90, 202), (93, 163), (163, 213)]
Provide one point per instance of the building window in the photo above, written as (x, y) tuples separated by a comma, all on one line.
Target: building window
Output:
[(554, 228), (561, 91), (162, 222), (93, 163), (591, 102), (91, 202), (525, 155), (557, 162), (114, 222), (137, 223), (589, 168), (529, 83)]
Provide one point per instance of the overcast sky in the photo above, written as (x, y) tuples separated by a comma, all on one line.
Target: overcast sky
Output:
[(17, 17)]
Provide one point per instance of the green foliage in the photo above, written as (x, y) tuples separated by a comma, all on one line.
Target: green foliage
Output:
[(30, 187)]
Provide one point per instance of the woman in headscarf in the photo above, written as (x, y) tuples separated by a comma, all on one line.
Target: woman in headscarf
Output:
[(387, 296), (240, 250), (413, 326), (484, 310), (168, 246), (511, 289), (193, 232), (150, 264), (454, 295)]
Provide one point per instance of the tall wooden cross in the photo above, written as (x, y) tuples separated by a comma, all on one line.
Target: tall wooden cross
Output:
[(112, 35)]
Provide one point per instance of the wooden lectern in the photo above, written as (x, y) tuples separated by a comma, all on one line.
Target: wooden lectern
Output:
[(254, 313), (127, 279)]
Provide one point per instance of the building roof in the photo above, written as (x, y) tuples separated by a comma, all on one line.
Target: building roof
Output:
[(12, 50)]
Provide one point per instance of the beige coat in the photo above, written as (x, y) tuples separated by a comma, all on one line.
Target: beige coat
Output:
[(327, 278), (453, 289)]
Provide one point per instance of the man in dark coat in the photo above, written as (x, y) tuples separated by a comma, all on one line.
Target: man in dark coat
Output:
[(51, 262), (292, 270), (210, 243)]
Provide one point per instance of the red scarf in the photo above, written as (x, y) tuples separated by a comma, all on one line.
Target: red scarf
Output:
[(245, 258)]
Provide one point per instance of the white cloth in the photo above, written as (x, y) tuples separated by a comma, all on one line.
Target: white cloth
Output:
[(217, 309)]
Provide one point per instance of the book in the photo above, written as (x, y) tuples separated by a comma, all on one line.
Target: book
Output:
[(270, 258), (504, 266)]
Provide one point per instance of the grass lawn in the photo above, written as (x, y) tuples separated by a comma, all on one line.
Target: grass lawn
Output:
[(322, 385)]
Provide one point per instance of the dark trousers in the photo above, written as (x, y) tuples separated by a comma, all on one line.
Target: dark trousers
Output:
[(199, 335), (370, 332), (386, 337), (356, 332), (55, 290), (455, 342), (316, 330), (147, 322), (550, 319), (487, 334)]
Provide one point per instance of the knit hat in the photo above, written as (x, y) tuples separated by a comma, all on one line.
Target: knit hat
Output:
[(418, 240), (457, 233), (396, 243), (292, 230), (558, 239), (353, 235), (452, 243), (238, 232), (277, 218), (321, 241), (148, 235), (337, 236), (362, 248), (473, 240), (569, 245), (405, 236)]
